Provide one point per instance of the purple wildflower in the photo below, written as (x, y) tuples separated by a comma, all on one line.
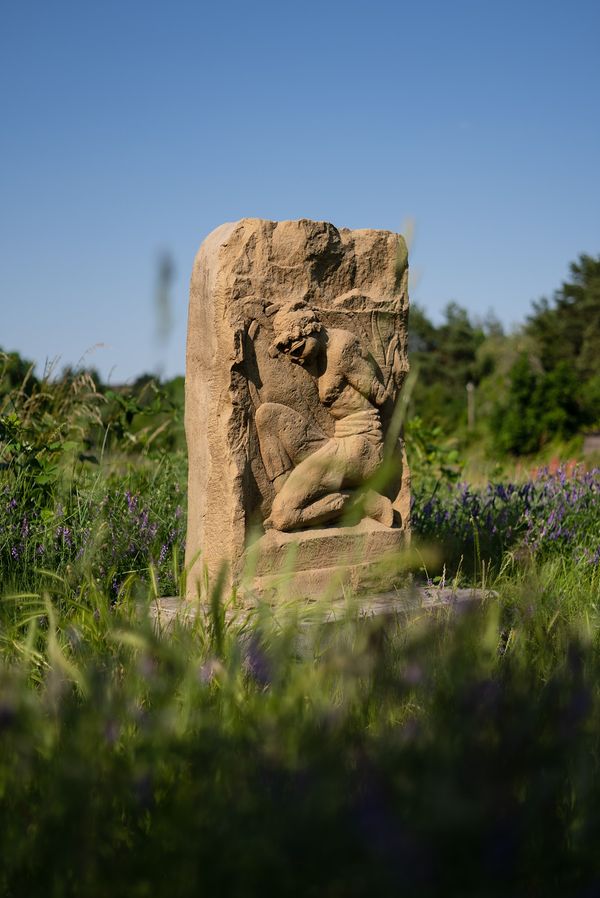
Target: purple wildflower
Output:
[(132, 501)]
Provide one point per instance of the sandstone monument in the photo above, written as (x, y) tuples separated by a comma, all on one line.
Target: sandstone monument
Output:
[(296, 357)]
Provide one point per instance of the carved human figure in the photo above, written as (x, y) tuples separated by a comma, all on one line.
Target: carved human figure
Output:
[(317, 477)]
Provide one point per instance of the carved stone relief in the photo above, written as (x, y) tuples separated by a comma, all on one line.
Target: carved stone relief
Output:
[(296, 358)]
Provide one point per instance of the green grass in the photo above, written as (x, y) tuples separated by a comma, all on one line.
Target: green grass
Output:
[(453, 753), (457, 752)]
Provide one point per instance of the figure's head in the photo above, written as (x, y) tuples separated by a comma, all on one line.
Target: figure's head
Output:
[(297, 332)]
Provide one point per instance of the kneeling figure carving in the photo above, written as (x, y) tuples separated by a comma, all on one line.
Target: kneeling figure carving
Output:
[(320, 479)]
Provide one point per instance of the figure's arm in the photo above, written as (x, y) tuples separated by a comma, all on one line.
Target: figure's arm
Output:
[(359, 370)]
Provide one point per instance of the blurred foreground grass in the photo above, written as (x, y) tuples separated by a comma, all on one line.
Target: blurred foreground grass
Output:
[(243, 756)]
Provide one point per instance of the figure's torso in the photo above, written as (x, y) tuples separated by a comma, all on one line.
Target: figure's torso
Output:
[(335, 391)]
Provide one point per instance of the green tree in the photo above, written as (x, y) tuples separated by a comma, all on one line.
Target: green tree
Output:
[(445, 358), (513, 422), (567, 329), (540, 406), (16, 373)]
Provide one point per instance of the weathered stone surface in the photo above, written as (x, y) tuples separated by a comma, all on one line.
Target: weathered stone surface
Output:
[(296, 356), (402, 603)]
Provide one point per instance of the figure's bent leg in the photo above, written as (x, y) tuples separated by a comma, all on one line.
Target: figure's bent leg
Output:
[(327, 486), (370, 504), (314, 492), (364, 460), (324, 510), (285, 438)]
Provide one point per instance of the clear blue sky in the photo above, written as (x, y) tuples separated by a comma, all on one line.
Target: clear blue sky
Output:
[(129, 128)]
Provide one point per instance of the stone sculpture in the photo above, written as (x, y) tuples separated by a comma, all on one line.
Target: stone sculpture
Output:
[(296, 358), (315, 476)]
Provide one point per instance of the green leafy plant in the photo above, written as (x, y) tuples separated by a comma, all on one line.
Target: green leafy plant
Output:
[(432, 457)]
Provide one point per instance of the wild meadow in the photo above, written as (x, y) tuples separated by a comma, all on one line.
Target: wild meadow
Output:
[(453, 752)]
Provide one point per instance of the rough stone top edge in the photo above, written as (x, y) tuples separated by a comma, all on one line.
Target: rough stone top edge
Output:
[(220, 234), (217, 237)]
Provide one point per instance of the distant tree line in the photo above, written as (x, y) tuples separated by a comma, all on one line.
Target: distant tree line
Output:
[(538, 385), (142, 417)]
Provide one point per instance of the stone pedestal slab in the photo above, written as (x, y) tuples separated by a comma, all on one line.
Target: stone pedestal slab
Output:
[(326, 561)]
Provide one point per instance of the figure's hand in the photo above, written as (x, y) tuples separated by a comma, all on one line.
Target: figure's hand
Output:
[(379, 393)]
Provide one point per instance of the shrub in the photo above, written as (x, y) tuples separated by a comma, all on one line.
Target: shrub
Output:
[(549, 515)]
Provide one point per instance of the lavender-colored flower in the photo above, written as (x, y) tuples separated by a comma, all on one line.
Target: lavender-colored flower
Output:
[(257, 663), (209, 670), (545, 513), (112, 731), (132, 501), (64, 535), (413, 674)]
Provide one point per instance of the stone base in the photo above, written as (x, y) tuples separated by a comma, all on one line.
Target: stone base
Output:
[(325, 562), (403, 604)]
